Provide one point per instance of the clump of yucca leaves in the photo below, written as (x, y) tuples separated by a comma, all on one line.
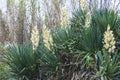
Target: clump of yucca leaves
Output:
[(100, 18), (22, 61)]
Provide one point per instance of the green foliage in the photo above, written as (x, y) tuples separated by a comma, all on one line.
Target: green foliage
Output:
[(64, 39), (108, 65), (118, 29), (21, 60), (75, 49), (78, 20), (91, 39), (48, 60), (100, 18), (47, 57), (5, 73)]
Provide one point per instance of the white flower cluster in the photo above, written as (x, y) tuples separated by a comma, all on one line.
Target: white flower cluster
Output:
[(35, 37), (64, 17), (47, 38), (109, 40), (88, 19), (84, 4)]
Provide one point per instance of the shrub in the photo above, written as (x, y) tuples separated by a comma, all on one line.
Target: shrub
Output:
[(103, 17), (77, 22), (108, 65), (90, 40), (22, 61), (48, 61), (100, 18)]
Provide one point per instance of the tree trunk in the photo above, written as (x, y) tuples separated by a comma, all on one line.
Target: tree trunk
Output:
[(20, 26), (2, 29)]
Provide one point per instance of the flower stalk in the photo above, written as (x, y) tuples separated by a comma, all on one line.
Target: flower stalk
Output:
[(109, 40), (35, 37), (47, 38), (64, 18)]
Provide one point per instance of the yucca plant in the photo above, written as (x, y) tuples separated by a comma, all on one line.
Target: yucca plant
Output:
[(100, 18), (118, 29), (22, 60), (90, 40), (77, 22), (103, 17), (65, 47), (108, 65), (46, 57), (72, 56), (63, 39), (48, 60)]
